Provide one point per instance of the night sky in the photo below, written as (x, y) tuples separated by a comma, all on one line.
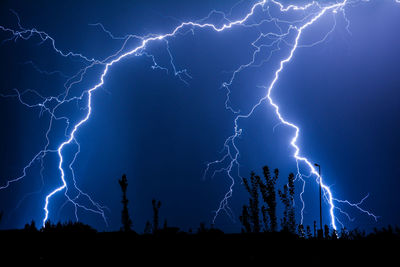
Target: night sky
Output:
[(161, 129)]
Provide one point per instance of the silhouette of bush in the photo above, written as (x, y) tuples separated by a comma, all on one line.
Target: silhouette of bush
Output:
[(203, 230), (250, 217), (357, 234), (385, 233), (255, 218), (68, 227), (31, 227)]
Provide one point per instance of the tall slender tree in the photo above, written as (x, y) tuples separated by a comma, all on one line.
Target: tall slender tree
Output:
[(268, 194), (291, 211), (156, 209), (308, 232), (287, 197), (265, 219), (245, 220), (250, 218), (283, 195), (126, 220)]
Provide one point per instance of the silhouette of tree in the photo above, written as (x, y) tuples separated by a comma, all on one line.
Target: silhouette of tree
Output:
[(251, 214), (48, 227), (268, 194), (68, 227), (202, 228), (397, 229), (387, 234), (334, 235), (156, 209), (308, 232), (245, 220), (301, 232), (126, 221), (250, 217), (76, 227), (326, 232), (285, 200), (147, 228), (344, 234), (264, 212), (291, 212), (30, 227), (315, 229), (58, 227), (288, 221), (357, 234)]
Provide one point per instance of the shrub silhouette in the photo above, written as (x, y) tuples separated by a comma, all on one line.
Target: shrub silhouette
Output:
[(68, 227), (30, 227), (250, 217)]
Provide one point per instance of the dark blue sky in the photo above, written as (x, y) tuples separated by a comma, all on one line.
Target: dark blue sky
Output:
[(343, 93)]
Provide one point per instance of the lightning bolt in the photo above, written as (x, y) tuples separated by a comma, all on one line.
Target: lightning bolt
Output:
[(230, 159)]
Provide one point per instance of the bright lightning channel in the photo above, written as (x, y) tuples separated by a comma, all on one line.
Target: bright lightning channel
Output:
[(229, 144)]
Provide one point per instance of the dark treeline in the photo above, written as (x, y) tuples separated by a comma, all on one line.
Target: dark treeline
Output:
[(267, 236), (385, 233), (259, 216)]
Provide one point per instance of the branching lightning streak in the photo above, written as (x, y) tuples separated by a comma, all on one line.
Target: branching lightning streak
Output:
[(232, 152), (234, 157)]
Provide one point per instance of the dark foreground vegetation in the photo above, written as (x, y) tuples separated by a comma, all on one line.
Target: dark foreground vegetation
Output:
[(74, 245), (262, 239)]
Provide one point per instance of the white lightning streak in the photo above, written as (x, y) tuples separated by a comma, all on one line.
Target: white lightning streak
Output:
[(230, 146)]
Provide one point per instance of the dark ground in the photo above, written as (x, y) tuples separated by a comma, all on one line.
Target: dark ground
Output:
[(143, 250)]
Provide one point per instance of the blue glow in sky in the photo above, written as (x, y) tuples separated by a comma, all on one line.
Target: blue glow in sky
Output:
[(161, 116)]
